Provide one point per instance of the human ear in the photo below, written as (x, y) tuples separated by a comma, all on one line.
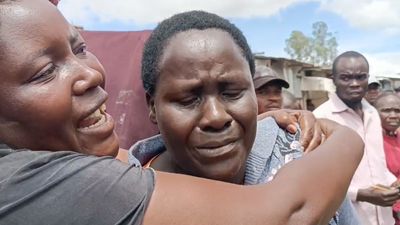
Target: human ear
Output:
[(152, 108), (333, 77)]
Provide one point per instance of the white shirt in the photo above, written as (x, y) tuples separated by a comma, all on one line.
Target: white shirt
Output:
[(372, 169)]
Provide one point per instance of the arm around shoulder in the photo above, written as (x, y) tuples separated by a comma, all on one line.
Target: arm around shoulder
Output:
[(306, 191), (323, 176)]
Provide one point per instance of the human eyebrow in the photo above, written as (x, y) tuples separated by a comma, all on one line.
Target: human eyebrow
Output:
[(191, 86), (38, 54), (74, 36), (231, 80)]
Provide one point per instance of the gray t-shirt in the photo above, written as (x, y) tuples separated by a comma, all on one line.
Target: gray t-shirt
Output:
[(40, 187)]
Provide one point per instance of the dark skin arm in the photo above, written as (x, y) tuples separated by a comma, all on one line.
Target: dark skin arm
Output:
[(305, 191), (311, 136)]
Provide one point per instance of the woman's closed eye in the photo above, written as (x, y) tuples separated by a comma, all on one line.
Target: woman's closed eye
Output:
[(232, 94), (189, 101), (45, 75)]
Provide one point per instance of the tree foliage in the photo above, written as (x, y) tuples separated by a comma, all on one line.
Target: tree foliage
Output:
[(318, 49)]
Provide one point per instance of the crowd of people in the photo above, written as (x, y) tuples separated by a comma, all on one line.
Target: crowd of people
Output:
[(358, 103), (225, 153)]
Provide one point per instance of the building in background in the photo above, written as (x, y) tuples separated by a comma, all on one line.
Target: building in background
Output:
[(389, 82), (308, 83)]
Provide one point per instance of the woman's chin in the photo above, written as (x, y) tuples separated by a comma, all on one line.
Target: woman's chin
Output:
[(106, 147)]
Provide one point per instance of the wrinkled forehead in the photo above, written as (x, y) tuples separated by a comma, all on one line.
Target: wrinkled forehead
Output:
[(389, 101)]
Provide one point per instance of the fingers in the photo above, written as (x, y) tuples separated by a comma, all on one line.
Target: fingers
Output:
[(391, 193), (310, 137), (294, 119), (291, 128), (389, 197), (327, 126), (389, 201), (283, 118), (316, 139), (395, 184), (323, 138)]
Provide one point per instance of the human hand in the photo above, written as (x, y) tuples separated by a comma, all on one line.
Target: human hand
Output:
[(311, 136), (396, 184), (378, 196)]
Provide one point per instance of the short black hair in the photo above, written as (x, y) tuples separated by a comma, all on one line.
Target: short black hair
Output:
[(348, 54), (199, 20)]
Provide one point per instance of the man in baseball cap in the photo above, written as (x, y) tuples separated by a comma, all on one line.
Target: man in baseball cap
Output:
[(268, 87), (373, 91)]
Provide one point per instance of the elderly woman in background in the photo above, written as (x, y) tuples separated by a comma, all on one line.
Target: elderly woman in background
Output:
[(388, 106)]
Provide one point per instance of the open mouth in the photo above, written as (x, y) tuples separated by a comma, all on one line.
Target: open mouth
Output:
[(97, 118)]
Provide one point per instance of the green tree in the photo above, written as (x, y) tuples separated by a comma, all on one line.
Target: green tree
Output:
[(318, 49)]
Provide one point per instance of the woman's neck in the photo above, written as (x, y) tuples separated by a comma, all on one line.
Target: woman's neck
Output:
[(391, 133), (164, 162)]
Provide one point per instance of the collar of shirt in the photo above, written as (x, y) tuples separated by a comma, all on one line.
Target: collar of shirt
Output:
[(340, 106)]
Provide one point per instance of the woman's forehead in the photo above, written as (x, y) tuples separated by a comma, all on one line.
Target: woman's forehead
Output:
[(198, 45), (24, 23), (198, 40), (388, 102), (30, 15), (30, 29)]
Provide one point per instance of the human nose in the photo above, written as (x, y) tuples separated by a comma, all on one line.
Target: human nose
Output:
[(214, 116), (354, 83), (274, 97), (393, 114), (85, 78)]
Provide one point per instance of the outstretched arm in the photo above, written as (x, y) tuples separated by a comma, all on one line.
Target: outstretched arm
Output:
[(305, 191)]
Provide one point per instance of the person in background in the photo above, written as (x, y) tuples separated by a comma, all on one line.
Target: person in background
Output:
[(388, 106), (289, 101), (373, 90), (310, 105), (347, 107), (268, 86), (397, 90)]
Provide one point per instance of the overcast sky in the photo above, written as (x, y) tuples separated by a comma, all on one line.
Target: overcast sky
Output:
[(369, 26)]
